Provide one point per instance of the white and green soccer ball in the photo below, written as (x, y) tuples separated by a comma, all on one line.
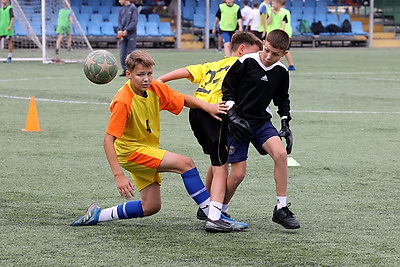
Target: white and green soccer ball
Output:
[(100, 67)]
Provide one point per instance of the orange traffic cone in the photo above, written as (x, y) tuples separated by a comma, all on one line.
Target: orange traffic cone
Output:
[(32, 121)]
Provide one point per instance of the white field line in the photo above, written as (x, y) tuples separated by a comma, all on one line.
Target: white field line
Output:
[(295, 111)]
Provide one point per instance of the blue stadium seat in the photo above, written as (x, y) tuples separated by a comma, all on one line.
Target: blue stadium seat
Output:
[(356, 28), (94, 29), (199, 21), (154, 18), (106, 3), (165, 29), (142, 18), (343, 17), (113, 18), (95, 4), (96, 18), (107, 29), (152, 29), (141, 30), (104, 11), (187, 12), (320, 17), (86, 10), (76, 30), (115, 10), (309, 3), (332, 19), (83, 18), (18, 31)]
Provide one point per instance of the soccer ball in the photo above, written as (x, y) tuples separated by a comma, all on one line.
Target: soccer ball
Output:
[(100, 67)]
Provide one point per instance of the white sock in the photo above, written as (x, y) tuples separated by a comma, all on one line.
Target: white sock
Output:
[(108, 214), (9, 54), (281, 202), (225, 208), (205, 206), (215, 211)]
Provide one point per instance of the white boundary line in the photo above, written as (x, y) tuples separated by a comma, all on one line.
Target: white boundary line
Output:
[(295, 111)]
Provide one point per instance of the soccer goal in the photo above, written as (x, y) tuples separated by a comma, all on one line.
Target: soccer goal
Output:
[(35, 23)]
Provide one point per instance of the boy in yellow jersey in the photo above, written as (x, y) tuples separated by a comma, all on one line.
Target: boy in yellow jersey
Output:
[(230, 19), (210, 133), (7, 27), (132, 142), (280, 19)]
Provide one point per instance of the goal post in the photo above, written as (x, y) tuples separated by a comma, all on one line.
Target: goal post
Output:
[(35, 23)]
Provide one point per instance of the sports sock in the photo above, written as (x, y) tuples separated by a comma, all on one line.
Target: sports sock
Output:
[(281, 202), (225, 208), (195, 187), (128, 210), (10, 55), (215, 210)]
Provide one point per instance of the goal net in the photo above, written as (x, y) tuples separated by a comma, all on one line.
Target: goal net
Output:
[(35, 23)]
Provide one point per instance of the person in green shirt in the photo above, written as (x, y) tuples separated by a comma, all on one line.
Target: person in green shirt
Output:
[(7, 26), (280, 19), (230, 19), (64, 28)]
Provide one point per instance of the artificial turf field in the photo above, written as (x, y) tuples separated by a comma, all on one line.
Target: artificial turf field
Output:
[(346, 127)]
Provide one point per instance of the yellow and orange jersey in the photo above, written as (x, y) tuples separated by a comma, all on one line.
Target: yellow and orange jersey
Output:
[(135, 120)]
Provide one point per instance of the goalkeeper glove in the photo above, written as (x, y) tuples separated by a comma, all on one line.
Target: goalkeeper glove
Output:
[(287, 134), (238, 127)]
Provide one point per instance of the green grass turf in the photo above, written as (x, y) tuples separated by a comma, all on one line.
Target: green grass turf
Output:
[(345, 193)]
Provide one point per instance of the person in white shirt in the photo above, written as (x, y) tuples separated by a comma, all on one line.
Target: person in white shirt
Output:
[(254, 20), (245, 12)]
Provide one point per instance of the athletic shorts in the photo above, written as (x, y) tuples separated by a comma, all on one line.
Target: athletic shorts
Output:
[(63, 29), (239, 150), (226, 36), (210, 134), (143, 165)]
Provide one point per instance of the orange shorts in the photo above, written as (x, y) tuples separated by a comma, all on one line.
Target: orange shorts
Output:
[(143, 164)]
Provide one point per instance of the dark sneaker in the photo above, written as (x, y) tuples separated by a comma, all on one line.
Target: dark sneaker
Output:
[(218, 226), (291, 68), (285, 218), (201, 215), (123, 74), (91, 216)]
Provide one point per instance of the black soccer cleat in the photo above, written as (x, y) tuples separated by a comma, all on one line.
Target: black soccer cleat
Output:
[(202, 216), (285, 218), (218, 226)]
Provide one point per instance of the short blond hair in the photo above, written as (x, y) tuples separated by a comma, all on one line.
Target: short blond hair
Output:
[(139, 57)]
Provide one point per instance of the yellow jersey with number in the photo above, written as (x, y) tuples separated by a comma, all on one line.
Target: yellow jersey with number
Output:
[(135, 120), (210, 76)]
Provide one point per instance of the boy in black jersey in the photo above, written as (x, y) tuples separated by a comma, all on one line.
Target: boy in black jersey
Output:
[(249, 87)]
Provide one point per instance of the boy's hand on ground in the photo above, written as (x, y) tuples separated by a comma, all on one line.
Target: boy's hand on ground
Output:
[(125, 187)]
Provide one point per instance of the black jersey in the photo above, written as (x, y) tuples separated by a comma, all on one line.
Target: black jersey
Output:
[(252, 86)]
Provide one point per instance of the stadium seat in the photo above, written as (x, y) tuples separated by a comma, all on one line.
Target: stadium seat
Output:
[(18, 31), (113, 18), (187, 12), (332, 19), (154, 18), (104, 11), (141, 30), (320, 17), (83, 18), (152, 29), (142, 18), (309, 3), (96, 18), (199, 21), (356, 28), (343, 17), (107, 29), (106, 3), (94, 4), (94, 29), (86, 10), (165, 29)]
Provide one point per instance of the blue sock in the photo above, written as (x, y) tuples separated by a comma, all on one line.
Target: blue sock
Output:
[(131, 209), (194, 186)]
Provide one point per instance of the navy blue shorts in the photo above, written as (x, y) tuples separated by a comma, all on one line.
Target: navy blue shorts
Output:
[(239, 150)]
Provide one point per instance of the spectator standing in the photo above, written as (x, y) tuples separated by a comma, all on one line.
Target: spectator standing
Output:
[(254, 20), (245, 12), (7, 26), (127, 24)]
